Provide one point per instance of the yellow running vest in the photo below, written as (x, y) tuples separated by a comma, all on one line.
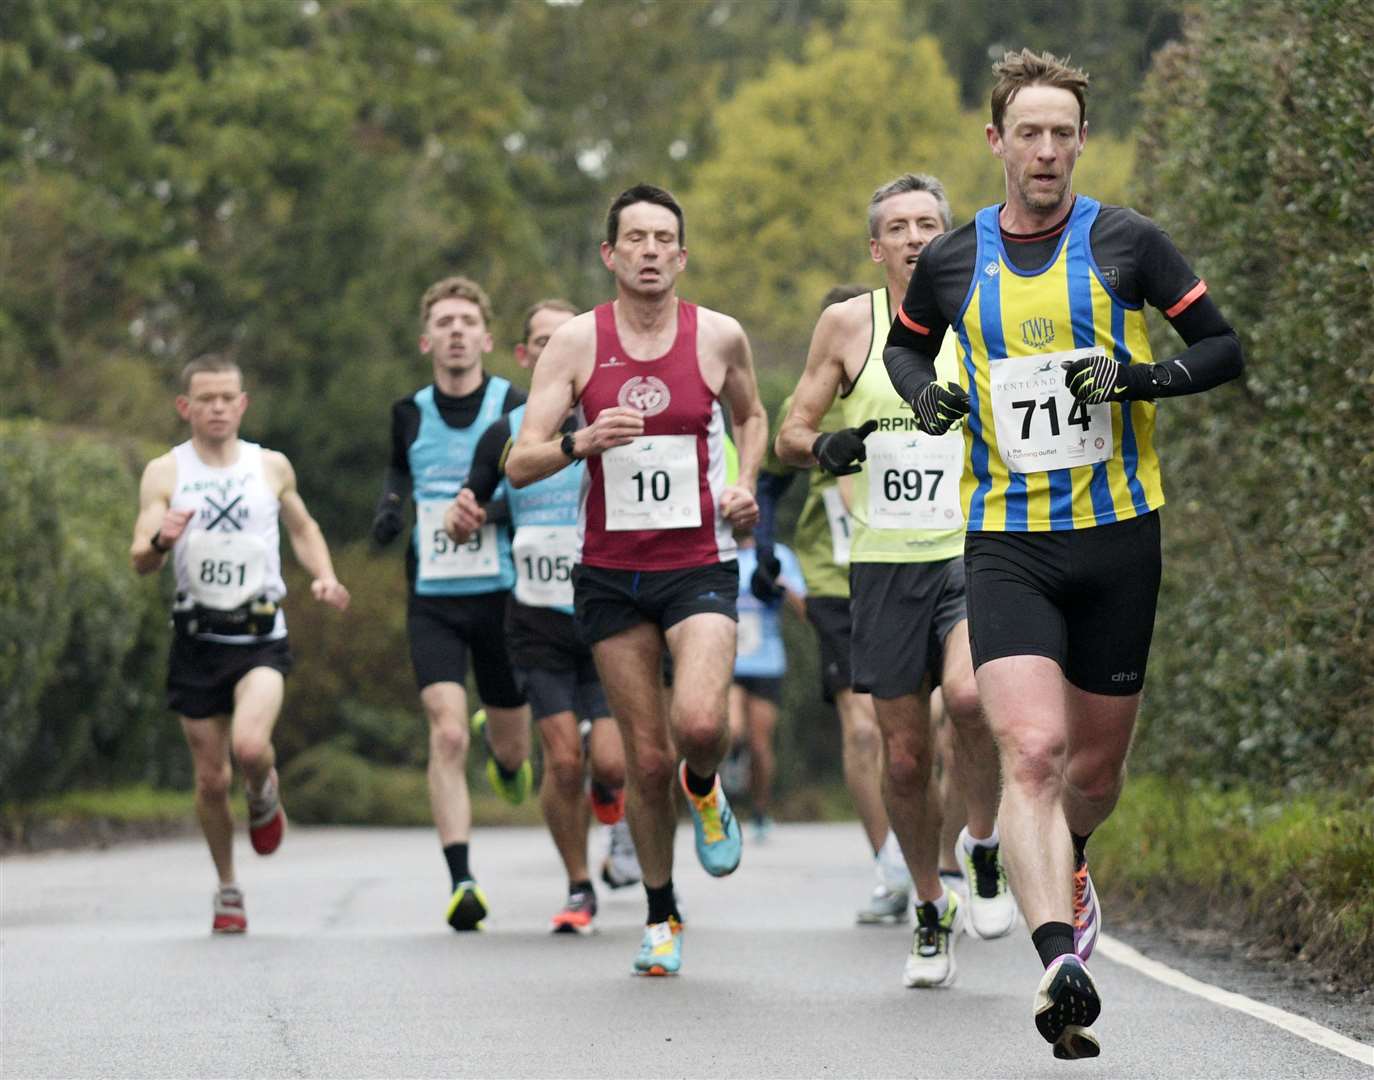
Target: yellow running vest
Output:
[(905, 502), (1038, 460)]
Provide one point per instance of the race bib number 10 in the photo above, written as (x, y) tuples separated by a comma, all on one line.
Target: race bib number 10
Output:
[(441, 557), (1040, 425), (913, 480), (652, 484)]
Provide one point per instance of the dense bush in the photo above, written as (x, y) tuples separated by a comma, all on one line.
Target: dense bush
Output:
[(1255, 156)]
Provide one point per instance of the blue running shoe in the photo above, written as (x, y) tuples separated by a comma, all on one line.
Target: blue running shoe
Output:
[(719, 839), (661, 951)]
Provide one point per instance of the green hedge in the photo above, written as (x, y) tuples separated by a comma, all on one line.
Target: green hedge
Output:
[(1255, 156)]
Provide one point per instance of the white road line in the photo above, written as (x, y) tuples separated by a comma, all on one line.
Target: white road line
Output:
[(1297, 1025)]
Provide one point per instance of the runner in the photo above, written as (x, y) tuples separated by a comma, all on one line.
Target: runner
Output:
[(457, 593), (906, 579), (649, 374), (1045, 295), (215, 502), (821, 539), (553, 666), (760, 664)]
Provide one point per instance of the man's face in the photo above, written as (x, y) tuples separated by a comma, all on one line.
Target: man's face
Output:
[(213, 405), (542, 325), (1040, 141), (907, 222), (646, 257), (455, 336)]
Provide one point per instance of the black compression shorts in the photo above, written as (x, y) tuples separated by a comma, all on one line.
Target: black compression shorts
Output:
[(443, 629), (1083, 597)]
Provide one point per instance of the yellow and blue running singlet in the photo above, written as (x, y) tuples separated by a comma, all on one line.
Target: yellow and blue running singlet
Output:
[(1037, 459)]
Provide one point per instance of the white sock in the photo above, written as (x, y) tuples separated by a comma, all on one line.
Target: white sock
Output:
[(971, 841)]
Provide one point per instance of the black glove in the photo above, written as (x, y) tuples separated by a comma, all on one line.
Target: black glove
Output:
[(764, 583), (839, 452), (1098, 379), (939, 406), (387, 525)]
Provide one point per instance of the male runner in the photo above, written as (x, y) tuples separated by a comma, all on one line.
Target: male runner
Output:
[(1045, 295), (215, 503), (760, 664), (821, 539), (906, 579), (457, 594), (649, 374), (552, 665)]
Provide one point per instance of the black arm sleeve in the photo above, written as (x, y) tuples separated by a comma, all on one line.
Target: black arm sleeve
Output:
[(770, 490), (1213, 354), (908, 356), (395, 489), (485, 474)]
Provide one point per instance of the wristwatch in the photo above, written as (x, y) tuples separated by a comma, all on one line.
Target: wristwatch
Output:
[(153, 543), (567, 446), (1160, 374)]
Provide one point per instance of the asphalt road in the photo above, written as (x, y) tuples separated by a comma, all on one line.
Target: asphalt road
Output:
[(107, 968)]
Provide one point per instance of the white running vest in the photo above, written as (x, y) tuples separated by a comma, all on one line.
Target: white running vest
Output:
[(230, 552)]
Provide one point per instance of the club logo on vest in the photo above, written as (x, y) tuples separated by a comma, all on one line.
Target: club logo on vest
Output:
[(991, 269), (1037, 333), (647, 393), (1112, 276)]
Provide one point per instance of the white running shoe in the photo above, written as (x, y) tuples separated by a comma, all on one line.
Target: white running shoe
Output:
[(892, 865), (884, 907), (991, 906), (931, 962), (1066, 1004), (621, 867)]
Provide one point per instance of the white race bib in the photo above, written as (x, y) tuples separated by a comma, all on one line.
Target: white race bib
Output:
[(544, 556), (652, 484), (1040, 425), (226, 569), (440, 557), (838, 518), (749, 638), (913, 480)]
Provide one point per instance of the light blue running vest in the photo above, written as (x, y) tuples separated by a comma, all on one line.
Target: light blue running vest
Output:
[(552, 501)]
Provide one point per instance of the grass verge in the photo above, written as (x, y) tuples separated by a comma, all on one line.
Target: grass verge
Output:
[(1294, 873)]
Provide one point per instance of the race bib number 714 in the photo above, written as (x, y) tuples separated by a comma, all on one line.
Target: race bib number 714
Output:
[(1040, 425)]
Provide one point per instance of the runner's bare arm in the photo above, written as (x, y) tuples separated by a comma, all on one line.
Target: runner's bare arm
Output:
[(822, 379), (562, 372), (155, 516), (740, 392), (307, 541)]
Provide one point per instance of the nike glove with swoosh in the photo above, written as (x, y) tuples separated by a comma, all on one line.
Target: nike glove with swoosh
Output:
[(839, 452), (1098, 379), (939, 406)]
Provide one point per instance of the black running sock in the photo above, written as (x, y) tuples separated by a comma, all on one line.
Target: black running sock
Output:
[(580, 886), (1080, 854), (1052, 940), (456, 855), (662, 902), (506, 774), (698, 786)]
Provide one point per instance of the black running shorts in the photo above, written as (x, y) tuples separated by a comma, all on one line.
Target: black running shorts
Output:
[(1083, 597), (902, 613), (609, 602), (829, 617), (553, 692), (761, 686), (201, 675), (444, 629), (544, 638)]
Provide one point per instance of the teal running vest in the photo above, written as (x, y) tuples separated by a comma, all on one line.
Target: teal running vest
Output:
[(544, 515)]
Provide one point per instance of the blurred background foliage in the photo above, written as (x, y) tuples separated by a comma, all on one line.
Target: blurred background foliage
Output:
[(284, 179)]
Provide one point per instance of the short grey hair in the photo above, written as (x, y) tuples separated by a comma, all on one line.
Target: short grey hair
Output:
[(900, 186)]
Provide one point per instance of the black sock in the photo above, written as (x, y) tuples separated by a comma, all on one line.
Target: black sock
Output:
[(699, 786), (456, 855), (581, 886), (506, 774), (1080, 844), (1052, 940), (662, 902)]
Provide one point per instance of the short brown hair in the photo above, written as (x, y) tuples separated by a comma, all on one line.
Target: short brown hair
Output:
[(900, 186), (208, 363), (460, 287), (838, 294), (1017, 70), (553, 303)]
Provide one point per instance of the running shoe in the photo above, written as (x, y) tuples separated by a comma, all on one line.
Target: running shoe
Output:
[(266, 818), (884, 908), (931, 962), (1066, 1004), (1087, 913), (517, 787), (734, 772), (608, 804), (467, 907), (477, 722), (230, 917), (660, 953), (992, 908), (621, 867), (954, 879), (719, 839), (577, 914), (763, 828), (892, 865)]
